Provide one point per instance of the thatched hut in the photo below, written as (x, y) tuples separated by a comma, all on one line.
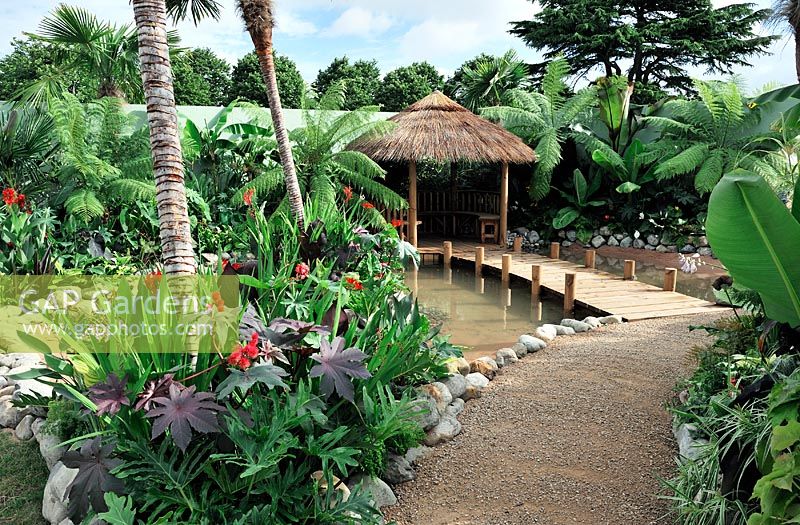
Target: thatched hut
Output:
[(437, 128)]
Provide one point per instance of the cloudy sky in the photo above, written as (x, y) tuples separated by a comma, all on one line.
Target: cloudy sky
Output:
[(395, 32)]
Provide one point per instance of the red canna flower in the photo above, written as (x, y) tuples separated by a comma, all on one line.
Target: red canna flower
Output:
[(236, 266), (21, 200), (301, 271), (367, 205), (348, 193), (397, 223), (354, 283), (9, 196), (247, 197)]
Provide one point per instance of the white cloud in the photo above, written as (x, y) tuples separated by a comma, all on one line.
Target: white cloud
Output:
[(359, 22), (435, 39)]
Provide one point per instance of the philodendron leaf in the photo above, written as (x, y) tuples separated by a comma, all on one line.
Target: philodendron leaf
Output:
[(628, 187), (565, 217), (758, 240)]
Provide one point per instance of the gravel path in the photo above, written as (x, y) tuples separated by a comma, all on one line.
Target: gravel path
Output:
[(576, 433)]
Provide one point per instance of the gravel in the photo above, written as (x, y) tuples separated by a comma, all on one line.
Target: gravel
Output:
[(576, 433)]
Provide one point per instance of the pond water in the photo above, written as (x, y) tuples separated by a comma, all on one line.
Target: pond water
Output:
[(480, 313), (694, 285)]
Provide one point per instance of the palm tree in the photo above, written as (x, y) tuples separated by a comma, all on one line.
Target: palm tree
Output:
[(788, 11), (543, 119), (26, 145), (489, 81), (259, 20), (162, 116), (92, 47), (324, 164)]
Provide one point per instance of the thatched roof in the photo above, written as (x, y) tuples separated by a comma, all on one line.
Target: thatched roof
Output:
[(437, 128)]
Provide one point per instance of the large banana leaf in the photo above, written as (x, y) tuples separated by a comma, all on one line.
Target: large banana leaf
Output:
[(758, 240)]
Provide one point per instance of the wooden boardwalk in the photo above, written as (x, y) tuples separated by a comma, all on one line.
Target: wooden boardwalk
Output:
[(595, 290)]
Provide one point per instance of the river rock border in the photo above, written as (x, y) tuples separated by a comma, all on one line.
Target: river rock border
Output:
[(532, 241)]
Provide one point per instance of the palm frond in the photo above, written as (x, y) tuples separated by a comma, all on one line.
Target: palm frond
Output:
[(359, 163), (264, 185), (84, 205), (553, 84), (376, 192), (684, 162), (710, 173), (131, 190)]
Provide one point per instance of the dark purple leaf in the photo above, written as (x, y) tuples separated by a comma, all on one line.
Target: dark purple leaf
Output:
[(155, 388), (336, 365), (110, 395), (183, 410), (282, 325), (94, 478), (266, 374)]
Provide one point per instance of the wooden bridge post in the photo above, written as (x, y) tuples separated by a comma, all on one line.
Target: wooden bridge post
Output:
[(555, 250), (570, 282), (447, 252), (590, 258), (506, 268), (536, 281), (479, 260), (670, 279), (517, 244), (630, 270)]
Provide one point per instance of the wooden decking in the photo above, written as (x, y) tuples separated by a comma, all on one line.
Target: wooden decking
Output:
[(602, 292)]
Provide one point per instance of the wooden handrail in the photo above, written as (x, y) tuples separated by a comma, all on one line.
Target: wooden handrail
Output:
[(461, 201)]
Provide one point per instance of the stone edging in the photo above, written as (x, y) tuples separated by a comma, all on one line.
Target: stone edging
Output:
[(531, 241)]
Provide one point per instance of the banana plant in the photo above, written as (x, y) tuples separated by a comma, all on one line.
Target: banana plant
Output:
[(579, 201), (758, 239), (614, 102), (630, 169)]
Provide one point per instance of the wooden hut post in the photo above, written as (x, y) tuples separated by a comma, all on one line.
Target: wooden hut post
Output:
[(479, 253), (536, 281), (412, 203), (503, 205), (629, 270)]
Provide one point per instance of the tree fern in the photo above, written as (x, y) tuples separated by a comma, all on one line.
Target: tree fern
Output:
[(714, 130), (684, 162), (84, 205)]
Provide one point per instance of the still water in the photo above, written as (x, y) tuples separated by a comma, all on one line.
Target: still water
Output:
[(480, 313)]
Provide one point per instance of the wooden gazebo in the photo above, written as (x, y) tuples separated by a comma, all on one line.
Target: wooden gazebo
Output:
[(439, 129)]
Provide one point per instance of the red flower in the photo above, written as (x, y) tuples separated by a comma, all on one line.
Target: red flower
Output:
[(247, 197), (21, 200), (244, 363), (733, 381), (367, 205), (250, 351), (348, 193), (606, 217), (397, 223), (235, 356), (301, 271), (354, 283), (236, 266), (9, 196)]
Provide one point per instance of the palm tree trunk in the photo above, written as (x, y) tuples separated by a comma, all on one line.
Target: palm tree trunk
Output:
[(165, 145), (258, 17)]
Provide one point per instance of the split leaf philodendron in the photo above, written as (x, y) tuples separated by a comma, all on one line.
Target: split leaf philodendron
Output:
[(755, 235)]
